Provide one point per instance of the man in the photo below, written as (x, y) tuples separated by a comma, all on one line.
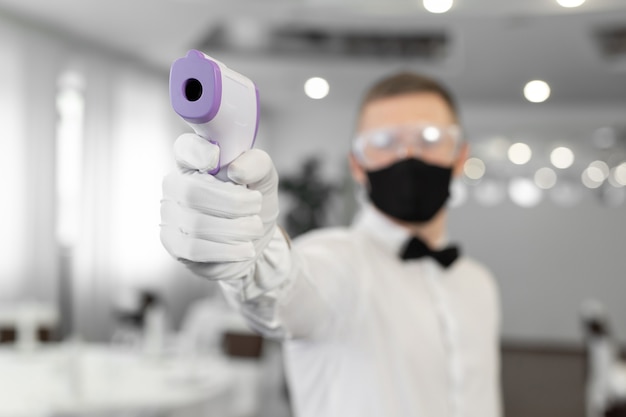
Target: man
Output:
[(374, 322)]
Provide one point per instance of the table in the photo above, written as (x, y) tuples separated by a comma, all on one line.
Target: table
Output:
[(79, 379)]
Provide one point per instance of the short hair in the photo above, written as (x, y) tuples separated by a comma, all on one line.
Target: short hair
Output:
[(407, 83)]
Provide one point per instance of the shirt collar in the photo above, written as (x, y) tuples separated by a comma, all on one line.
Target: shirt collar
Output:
[(372, 222), (391, 235)]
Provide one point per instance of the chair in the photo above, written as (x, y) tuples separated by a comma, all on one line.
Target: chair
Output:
[(28, 323)]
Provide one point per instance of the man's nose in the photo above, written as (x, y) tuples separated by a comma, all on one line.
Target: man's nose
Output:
[(411, 150)]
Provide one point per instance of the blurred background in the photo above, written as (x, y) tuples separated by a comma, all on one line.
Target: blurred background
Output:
[(84, 93)]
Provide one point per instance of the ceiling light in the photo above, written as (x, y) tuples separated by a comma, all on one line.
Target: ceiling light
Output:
[(316, 88), (438, 6), (519, 153), (536, 91), (562, 157), (570, 3)]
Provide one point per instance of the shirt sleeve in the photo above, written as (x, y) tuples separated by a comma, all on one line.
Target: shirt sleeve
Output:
[(296, 290)]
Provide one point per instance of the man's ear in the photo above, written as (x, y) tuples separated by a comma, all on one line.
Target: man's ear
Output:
[(457, 169), (356, 170)]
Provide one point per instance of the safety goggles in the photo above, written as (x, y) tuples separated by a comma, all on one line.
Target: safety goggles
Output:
[(381, 147)]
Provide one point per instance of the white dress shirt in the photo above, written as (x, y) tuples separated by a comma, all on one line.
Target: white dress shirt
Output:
[(370, 335)]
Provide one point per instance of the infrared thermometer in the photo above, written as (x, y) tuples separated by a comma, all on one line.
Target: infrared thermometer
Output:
[(218, 103)]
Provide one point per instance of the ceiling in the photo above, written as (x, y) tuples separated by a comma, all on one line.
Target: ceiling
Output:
[(494, 46)]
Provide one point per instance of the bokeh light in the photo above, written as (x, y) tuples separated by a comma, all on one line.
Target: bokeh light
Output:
[(489, 192), (537, 91), (562, 157), (519, 153), (595, 174), (474, 168), (438, 6), (570, 3), (524, 192), (599, 170), (617, 176), (545, 178), (316, 88), (458, 194), (590, 178)]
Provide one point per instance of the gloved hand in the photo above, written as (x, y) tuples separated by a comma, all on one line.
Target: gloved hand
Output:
[(223, 230)]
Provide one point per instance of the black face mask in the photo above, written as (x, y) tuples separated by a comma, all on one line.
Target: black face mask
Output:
[(410, 190)]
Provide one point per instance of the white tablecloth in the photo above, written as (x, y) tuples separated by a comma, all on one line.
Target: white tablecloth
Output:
[(83, 380)]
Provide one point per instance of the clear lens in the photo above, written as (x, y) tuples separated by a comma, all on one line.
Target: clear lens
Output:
[(432, 134), (435, 144)]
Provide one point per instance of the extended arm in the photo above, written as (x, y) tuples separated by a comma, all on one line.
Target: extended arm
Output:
[(227, 232)]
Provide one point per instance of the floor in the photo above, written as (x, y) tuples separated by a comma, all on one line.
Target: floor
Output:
[(543, 382)]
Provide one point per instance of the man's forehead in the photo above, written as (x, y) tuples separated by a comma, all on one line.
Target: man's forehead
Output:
[(405, 109)]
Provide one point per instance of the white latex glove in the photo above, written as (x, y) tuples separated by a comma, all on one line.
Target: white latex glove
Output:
[(223, 230)]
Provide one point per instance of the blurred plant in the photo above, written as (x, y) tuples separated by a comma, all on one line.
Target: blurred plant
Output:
[(311, 196)]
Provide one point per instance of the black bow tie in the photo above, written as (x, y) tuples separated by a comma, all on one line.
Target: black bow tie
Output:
[(415, 249)]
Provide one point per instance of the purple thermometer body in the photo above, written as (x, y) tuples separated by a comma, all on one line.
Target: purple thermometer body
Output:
[(219, 104)]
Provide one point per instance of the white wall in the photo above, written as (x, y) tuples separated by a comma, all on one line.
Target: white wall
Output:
[(28, 265), (129, 129)]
